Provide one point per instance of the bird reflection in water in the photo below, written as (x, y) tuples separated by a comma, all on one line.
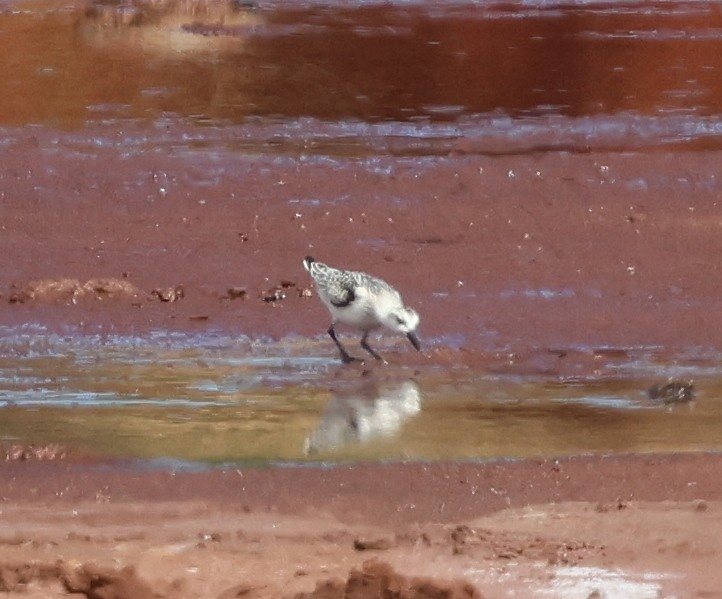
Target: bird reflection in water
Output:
[(367, 411)]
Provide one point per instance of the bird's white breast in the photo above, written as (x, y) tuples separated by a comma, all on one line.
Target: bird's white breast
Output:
[(362, 312)]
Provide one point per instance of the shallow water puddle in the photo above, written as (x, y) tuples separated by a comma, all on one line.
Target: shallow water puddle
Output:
[(571, 582), (214, 399)]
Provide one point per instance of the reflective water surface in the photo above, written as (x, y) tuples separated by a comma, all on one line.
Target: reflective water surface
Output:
[(350, 79), (359, 78), (213, 399)]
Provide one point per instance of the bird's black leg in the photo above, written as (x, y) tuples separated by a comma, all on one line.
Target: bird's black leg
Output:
[(367, 347), (345, 357)]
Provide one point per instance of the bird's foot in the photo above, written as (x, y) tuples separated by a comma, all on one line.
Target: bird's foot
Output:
[(380, 360)]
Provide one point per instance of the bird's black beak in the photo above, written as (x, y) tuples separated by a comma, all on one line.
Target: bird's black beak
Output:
[(414, 340)]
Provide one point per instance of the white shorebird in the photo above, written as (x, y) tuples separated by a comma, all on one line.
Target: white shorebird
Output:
[(361, 301)]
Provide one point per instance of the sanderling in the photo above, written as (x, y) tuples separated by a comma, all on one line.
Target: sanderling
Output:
[(362, 301)]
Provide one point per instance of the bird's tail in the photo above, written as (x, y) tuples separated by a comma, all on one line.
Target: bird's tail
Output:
[(307, 261)]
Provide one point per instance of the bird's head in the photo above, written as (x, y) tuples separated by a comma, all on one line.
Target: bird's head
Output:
[(404, 320)]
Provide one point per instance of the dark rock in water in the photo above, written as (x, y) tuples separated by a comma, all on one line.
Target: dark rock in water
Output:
[(672, 392)]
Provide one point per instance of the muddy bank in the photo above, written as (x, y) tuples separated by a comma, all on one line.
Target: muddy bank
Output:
[(139, 207), (374, 493), (555, 250), (460, 530)]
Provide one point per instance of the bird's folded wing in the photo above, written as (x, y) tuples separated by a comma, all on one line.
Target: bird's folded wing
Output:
[(341, 292)]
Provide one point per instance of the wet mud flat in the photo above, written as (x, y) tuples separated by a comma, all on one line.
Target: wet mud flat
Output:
[(555, 250), (574, 209), (561, 243), (599, 276), (534, 528)]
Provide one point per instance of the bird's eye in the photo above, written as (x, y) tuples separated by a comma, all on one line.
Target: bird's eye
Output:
[(399, 319)]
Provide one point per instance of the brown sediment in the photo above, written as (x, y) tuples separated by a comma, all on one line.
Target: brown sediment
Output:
[(514, 263), (452, 530), (64, 291), (566, 252), (378, 579), (506, 271)]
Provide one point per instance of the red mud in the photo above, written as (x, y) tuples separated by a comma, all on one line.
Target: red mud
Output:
[(473, 242), (443, 530), (626, 247)]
